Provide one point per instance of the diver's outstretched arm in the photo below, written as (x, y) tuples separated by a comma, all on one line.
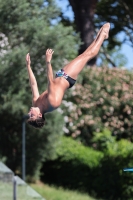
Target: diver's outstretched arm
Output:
[(32, 80), (48, 58)]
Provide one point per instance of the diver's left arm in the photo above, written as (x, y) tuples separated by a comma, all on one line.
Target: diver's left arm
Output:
[(48, 58), (32, 80)]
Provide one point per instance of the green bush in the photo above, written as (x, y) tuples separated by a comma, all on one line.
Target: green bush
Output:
[(73, 165), (98, 173), (101, 98), (112, 182)]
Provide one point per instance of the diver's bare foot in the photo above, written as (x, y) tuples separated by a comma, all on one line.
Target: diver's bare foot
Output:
[(105, 29)]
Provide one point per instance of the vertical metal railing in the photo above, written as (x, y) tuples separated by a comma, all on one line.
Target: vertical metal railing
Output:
[(14, 188), (23, 146)]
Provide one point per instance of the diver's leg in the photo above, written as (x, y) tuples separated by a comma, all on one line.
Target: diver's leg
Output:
[(76, 65)]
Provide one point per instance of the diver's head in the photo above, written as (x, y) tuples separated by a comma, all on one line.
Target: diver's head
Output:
[(36, 118)]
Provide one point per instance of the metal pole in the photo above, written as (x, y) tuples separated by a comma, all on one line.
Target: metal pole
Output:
[(14, 188), (23, 150), (23, 146)]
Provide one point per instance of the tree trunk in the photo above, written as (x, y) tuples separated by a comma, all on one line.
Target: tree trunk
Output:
[(84, 15)]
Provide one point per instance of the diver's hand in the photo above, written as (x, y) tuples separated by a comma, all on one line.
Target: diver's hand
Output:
[(49, 54), (28, 62)]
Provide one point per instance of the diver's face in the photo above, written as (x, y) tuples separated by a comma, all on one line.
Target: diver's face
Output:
[(34, 113)]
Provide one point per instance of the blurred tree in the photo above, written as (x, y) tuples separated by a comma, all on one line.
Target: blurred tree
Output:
[(120, 15), (84, 19), (91, 15), (112, 57), (29, 26)]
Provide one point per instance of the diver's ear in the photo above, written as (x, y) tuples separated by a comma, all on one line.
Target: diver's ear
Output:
[(40, 114)]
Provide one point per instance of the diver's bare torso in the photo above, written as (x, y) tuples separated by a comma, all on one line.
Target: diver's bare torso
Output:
[(51, 99)]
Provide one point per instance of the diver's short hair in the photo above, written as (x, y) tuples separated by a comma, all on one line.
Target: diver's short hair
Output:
[(37, 123)]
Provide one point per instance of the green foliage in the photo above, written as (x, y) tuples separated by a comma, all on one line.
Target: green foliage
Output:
[(29, 26), (117, 155), (106, 102), (102, 140), (97, 173), (105, 142), (75, 151), (73, 165)]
